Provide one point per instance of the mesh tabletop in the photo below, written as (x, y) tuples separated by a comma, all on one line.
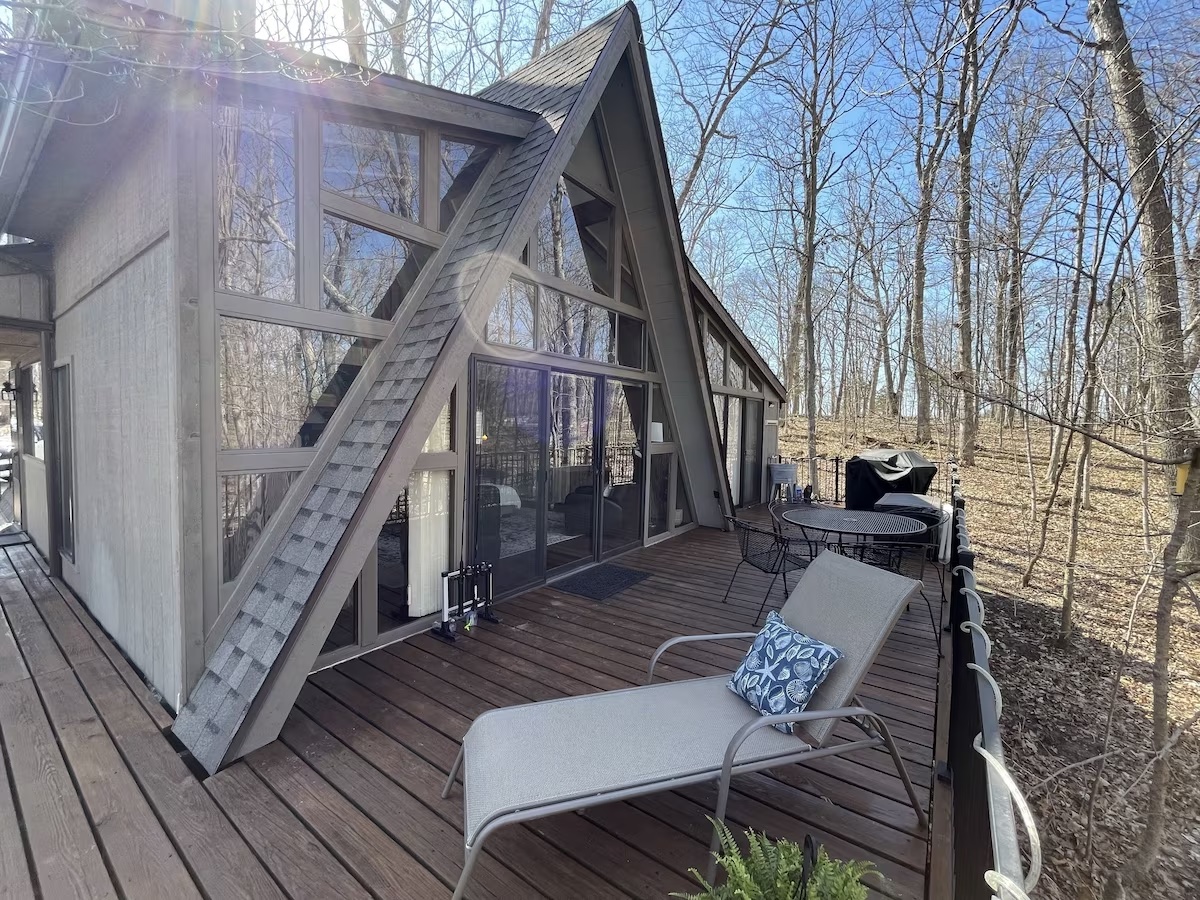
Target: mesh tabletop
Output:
[(853, 521)]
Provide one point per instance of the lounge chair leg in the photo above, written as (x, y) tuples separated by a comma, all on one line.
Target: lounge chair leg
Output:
[(725, 599), (922, 819), (468, 865), (718, 818), (458, 761)]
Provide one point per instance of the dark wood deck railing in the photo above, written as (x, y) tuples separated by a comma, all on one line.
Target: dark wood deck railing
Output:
[(987, 862)]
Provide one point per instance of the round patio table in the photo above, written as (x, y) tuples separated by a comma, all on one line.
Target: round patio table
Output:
[(857, 523)]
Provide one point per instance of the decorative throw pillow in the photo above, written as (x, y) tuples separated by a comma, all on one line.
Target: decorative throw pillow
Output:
[(782, 670)]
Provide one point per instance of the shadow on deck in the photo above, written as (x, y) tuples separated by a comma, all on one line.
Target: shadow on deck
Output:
[(347, 802)]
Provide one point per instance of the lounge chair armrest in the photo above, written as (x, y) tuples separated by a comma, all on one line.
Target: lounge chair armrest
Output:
[(690, 638), (842, 712)]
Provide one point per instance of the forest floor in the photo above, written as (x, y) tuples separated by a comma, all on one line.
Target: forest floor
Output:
[(1056, 698)]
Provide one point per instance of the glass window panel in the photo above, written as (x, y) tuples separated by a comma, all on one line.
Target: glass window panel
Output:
[(439, 440), (280, 385), (364, 271), (413, 551), (60, 382), (37, 436), (752, 381), (256, 202), (345, 627), (571, 496), (377, 166), (574, 327), (573, 237), (587, 162), (247, 504), (512, 318), (629, 342), (733, 449), (714, 353), (737, 372), (660, 486), (629, 291), (624, 463), (507, 423), (683, 509), (660, 423), (459, 166)]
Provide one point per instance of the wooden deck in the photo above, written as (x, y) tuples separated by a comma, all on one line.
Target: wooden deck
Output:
[(97, 802)]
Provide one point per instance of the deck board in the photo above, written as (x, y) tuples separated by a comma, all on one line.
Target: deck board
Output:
[(348, 802)]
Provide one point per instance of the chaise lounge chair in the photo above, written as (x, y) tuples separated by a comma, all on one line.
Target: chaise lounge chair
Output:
[(539, 759)]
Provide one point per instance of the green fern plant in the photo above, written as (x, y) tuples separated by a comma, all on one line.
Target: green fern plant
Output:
[(773, 870)]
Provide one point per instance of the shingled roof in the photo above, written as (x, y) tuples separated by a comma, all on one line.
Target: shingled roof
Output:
[(291, 561)]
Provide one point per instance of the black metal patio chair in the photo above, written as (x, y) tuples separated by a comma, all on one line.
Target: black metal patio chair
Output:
[(767, 551), (804, 544)]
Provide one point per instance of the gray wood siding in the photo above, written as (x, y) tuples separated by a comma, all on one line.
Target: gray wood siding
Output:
[(130, 210), (23, 297), (122, 344)]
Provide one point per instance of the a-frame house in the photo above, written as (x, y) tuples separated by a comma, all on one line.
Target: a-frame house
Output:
[(398, 329)]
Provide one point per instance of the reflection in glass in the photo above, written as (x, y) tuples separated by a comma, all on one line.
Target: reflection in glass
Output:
[(508, 475), (714, 353), (752, 462), (256, 202), (737, 372), (571, 492), (364, 271), (413, 550), (573, 237), (345, 627), (733, 449), (512, 318), (459, 167), (37, 433), (280, 385), (660, 493), (587, 162), (629, 342), (247, 504), (574, 327), (377, 166), (439, 440), (624, 463), (629, 291), (683, 509)]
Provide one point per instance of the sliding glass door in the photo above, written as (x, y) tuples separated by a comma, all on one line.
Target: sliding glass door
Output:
[(571, 490), (559, 469), (509, 468), (624, 464)]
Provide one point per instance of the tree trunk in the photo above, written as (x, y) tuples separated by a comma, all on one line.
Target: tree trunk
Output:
[(356, 37), (916, 332), (1169, 382), (968, 109)]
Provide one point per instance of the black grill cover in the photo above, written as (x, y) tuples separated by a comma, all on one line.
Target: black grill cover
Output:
[(873, 473)]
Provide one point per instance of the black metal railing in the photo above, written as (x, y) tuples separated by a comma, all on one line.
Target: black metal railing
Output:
[(987, 860)]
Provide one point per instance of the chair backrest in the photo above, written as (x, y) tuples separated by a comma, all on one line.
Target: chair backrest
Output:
[(851, 606), (759, 546)]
